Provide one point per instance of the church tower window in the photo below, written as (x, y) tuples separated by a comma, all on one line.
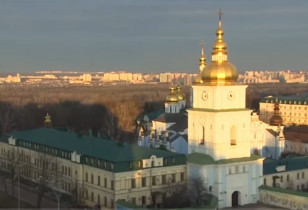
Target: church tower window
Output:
[(233, 135), (203, 136)]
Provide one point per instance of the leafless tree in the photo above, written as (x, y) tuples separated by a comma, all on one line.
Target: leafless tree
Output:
[(6, 117), (14, 159), (198, 191), (48, 176)]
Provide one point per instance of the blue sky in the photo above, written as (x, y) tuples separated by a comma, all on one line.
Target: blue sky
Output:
[(150, 35)]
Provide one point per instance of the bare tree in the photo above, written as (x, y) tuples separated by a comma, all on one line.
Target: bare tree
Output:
[(14, 158), (48, 178), (6, 117), (198, 191)]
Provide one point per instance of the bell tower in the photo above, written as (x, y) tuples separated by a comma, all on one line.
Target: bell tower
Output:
[(218, 122)]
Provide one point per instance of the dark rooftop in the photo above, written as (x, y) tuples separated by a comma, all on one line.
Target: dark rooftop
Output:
[(90, 146)]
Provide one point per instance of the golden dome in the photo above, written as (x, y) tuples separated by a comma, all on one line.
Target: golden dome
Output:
[(220, 71), (172, 96), (181, 95)]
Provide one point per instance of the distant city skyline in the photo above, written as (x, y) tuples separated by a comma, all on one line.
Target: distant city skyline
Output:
[(149, 36)]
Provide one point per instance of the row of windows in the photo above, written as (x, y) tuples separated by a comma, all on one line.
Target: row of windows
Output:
[(236, 169), (98, 163), (97, 199), (98, 181), (298, 176), (46, 149), (155, 179)]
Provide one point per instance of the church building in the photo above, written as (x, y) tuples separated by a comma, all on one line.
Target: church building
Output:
[(219, 132)]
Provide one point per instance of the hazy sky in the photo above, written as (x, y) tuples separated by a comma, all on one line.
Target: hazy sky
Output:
[(150, 35)]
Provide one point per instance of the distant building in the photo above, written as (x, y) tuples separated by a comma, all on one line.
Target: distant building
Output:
[(293, 109), (288, 76), (296, 139), (290, 173)]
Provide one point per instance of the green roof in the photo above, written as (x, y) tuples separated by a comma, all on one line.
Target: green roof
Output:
[(104, 149), (303, 98), (203, 159), (285, 191), (200, 159), (218, 110), (291, 163)]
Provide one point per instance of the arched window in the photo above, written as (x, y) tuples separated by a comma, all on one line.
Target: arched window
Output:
[(233, 135), (203, 136)]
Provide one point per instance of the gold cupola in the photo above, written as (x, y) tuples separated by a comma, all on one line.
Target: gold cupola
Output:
[(220, 71), (180, 93), (47, 121), (172, 96), (202, 64)]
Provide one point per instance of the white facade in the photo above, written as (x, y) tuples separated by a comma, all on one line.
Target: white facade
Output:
[(218, 123)]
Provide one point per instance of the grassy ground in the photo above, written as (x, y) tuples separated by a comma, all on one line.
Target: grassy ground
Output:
[(7, 201)]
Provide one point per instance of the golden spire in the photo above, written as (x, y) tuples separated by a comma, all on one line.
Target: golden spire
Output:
[(202, 64), (47, 121), (220, 52), (219, 71), (202, 59)]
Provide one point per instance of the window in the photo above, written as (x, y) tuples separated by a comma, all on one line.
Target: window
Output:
[(69, 171), (105, 201), (144, 182), (233, 135), (92, 196), (153, 180), (287, 177), (182, 176), (99, 181), (134, 200), (144, 200), (92, 178), (133, 182), (164, 179), (98, 199), (105, 182), (86, 192), (112, 184), (303, 175), (297, 175), (264, 181), (281, 179), (173, 178), (86, 176)]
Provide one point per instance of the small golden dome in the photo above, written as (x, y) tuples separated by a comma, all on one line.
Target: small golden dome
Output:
[(220, 70), (172, 96), (181, 95), (47, 121)]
